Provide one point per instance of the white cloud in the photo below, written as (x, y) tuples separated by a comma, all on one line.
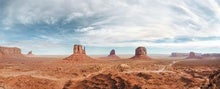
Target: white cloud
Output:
[(124, 22)]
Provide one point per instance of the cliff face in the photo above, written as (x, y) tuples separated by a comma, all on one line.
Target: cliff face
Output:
[(10, 52), (78, 49)]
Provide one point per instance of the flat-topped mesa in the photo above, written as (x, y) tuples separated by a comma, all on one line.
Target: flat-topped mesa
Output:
[(10, 52), (112, 55), (140, 53), (79, 54), (192, 55)]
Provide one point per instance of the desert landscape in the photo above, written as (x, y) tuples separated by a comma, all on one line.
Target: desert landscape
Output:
[(109, 44), (80, 71)]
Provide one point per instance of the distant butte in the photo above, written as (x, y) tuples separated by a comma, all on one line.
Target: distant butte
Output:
[(140, 53), (10, 52), (192, 55), (30, 53), (112, 55), (176, 54), (79, 54)]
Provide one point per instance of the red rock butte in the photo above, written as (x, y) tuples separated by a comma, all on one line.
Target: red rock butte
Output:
[(10, 52), (79, 54), (192, 55), (141, 53), (30, 53), (112, 55)]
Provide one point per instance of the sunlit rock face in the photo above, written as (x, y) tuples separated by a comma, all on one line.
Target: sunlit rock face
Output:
[(10, 52), (140, 53)]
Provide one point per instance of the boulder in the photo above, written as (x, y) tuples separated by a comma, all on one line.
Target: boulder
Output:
[(10, 52), (79, 54), (140, 53)]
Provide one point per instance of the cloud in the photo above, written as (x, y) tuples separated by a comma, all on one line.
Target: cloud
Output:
[(113, 23)]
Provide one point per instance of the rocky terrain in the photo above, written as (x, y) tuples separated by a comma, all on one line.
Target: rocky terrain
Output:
[(55, 73), (79, 71)]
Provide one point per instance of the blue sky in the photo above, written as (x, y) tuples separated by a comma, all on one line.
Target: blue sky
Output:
[(162, 26)]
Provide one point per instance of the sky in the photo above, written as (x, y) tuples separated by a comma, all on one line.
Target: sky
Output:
[(162, 26)]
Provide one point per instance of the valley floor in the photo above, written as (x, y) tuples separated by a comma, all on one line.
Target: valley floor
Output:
[(158, 73)]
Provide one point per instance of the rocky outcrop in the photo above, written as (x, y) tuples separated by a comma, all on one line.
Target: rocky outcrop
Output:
[(10, 52), (79, 54), (192, 55), (140, 53), (214, 81), (102, 81), (112, 55)]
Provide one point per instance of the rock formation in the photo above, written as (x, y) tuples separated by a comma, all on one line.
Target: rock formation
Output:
[(10, 52), (176, 54), (211, 55), (30, 53), (214, 81), (140, 53), (192, 55), (79, 54), (112, 55)]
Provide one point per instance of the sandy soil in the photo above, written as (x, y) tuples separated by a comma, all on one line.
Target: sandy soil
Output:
[(51, 72)]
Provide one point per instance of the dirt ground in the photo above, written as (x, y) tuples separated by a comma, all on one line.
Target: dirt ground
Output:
[(42, 72)]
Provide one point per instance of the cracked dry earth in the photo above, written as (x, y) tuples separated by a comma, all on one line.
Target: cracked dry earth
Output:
[(160, 73)]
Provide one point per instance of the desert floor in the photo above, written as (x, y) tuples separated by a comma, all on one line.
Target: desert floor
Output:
[(162, 72)]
